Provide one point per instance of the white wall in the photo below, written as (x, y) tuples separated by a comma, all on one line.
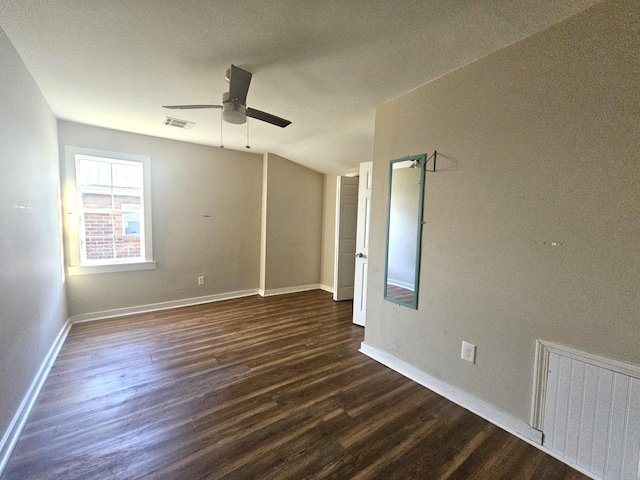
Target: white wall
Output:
[(537, 144), (32, 295), (206, 206)]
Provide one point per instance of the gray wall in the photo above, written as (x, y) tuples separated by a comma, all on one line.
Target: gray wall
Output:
[(32, 300), (210, 207), (538, 144), (187, 182), (292, 238)]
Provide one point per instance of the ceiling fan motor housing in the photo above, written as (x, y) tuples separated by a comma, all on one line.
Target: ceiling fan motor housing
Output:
[(233, 112)]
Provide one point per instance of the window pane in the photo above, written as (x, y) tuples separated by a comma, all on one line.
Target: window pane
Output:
[(131, 225), (99, 248), (96, 200), (93, 172), (110, 205), (127, 175), (127, 202), (127, 247), (98, 225)]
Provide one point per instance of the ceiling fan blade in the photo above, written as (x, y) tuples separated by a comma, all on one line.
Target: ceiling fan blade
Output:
[(190, 107), (239, 81), (267, 117)]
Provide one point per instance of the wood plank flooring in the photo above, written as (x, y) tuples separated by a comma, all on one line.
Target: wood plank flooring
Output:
[(400, 294), (252, 388)]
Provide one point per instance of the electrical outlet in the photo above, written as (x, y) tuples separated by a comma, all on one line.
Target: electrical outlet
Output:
[(468, 352), (200, 280)]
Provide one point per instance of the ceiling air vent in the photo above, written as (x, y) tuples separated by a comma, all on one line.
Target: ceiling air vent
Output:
[(176, 122)]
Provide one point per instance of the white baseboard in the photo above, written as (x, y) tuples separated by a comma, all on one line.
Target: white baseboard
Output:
[(282, 291), (153, 307), (473, 404), (11, 435), (326, 288)]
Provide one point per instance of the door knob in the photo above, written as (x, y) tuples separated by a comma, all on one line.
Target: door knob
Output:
[(359, 255)]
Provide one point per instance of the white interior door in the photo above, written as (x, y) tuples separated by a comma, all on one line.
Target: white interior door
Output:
[(362, 244), (346, 215)]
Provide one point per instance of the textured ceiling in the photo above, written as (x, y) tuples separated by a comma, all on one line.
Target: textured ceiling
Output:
[(324, 65)]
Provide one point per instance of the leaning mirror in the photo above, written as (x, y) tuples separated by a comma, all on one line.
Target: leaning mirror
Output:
[(404, 229)]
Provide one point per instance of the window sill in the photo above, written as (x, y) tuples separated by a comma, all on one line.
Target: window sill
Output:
[(111, 268)]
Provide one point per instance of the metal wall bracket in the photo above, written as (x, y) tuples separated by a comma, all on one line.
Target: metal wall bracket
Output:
[(434, 157)]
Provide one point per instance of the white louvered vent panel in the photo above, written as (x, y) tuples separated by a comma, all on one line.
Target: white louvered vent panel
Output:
[(592, 417), (176, 122)]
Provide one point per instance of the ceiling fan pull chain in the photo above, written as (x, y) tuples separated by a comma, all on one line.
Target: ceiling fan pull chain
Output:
[(221, 143), (247, 145)]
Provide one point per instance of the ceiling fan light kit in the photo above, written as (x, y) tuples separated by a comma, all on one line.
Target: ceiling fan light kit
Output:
[(233, 112)]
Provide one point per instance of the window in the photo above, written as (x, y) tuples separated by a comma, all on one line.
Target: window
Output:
[(109, 211), (131, 225)]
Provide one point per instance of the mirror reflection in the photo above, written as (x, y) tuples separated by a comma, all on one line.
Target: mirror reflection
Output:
[(404, 228)]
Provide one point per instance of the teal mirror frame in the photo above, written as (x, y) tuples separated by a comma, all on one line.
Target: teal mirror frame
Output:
[(404, 228)]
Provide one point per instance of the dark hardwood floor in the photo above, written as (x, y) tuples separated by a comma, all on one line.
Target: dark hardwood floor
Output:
[(400, 294), (253, 388)]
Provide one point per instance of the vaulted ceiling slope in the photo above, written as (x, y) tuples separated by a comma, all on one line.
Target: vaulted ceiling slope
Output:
[(323, 64)]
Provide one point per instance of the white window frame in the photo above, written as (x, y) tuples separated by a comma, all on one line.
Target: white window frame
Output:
[(75, 266)]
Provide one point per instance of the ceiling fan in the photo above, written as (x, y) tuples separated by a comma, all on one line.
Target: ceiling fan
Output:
[(234, 102)]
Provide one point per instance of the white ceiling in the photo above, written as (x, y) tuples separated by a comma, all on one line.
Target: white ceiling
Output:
[(323, 64)]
